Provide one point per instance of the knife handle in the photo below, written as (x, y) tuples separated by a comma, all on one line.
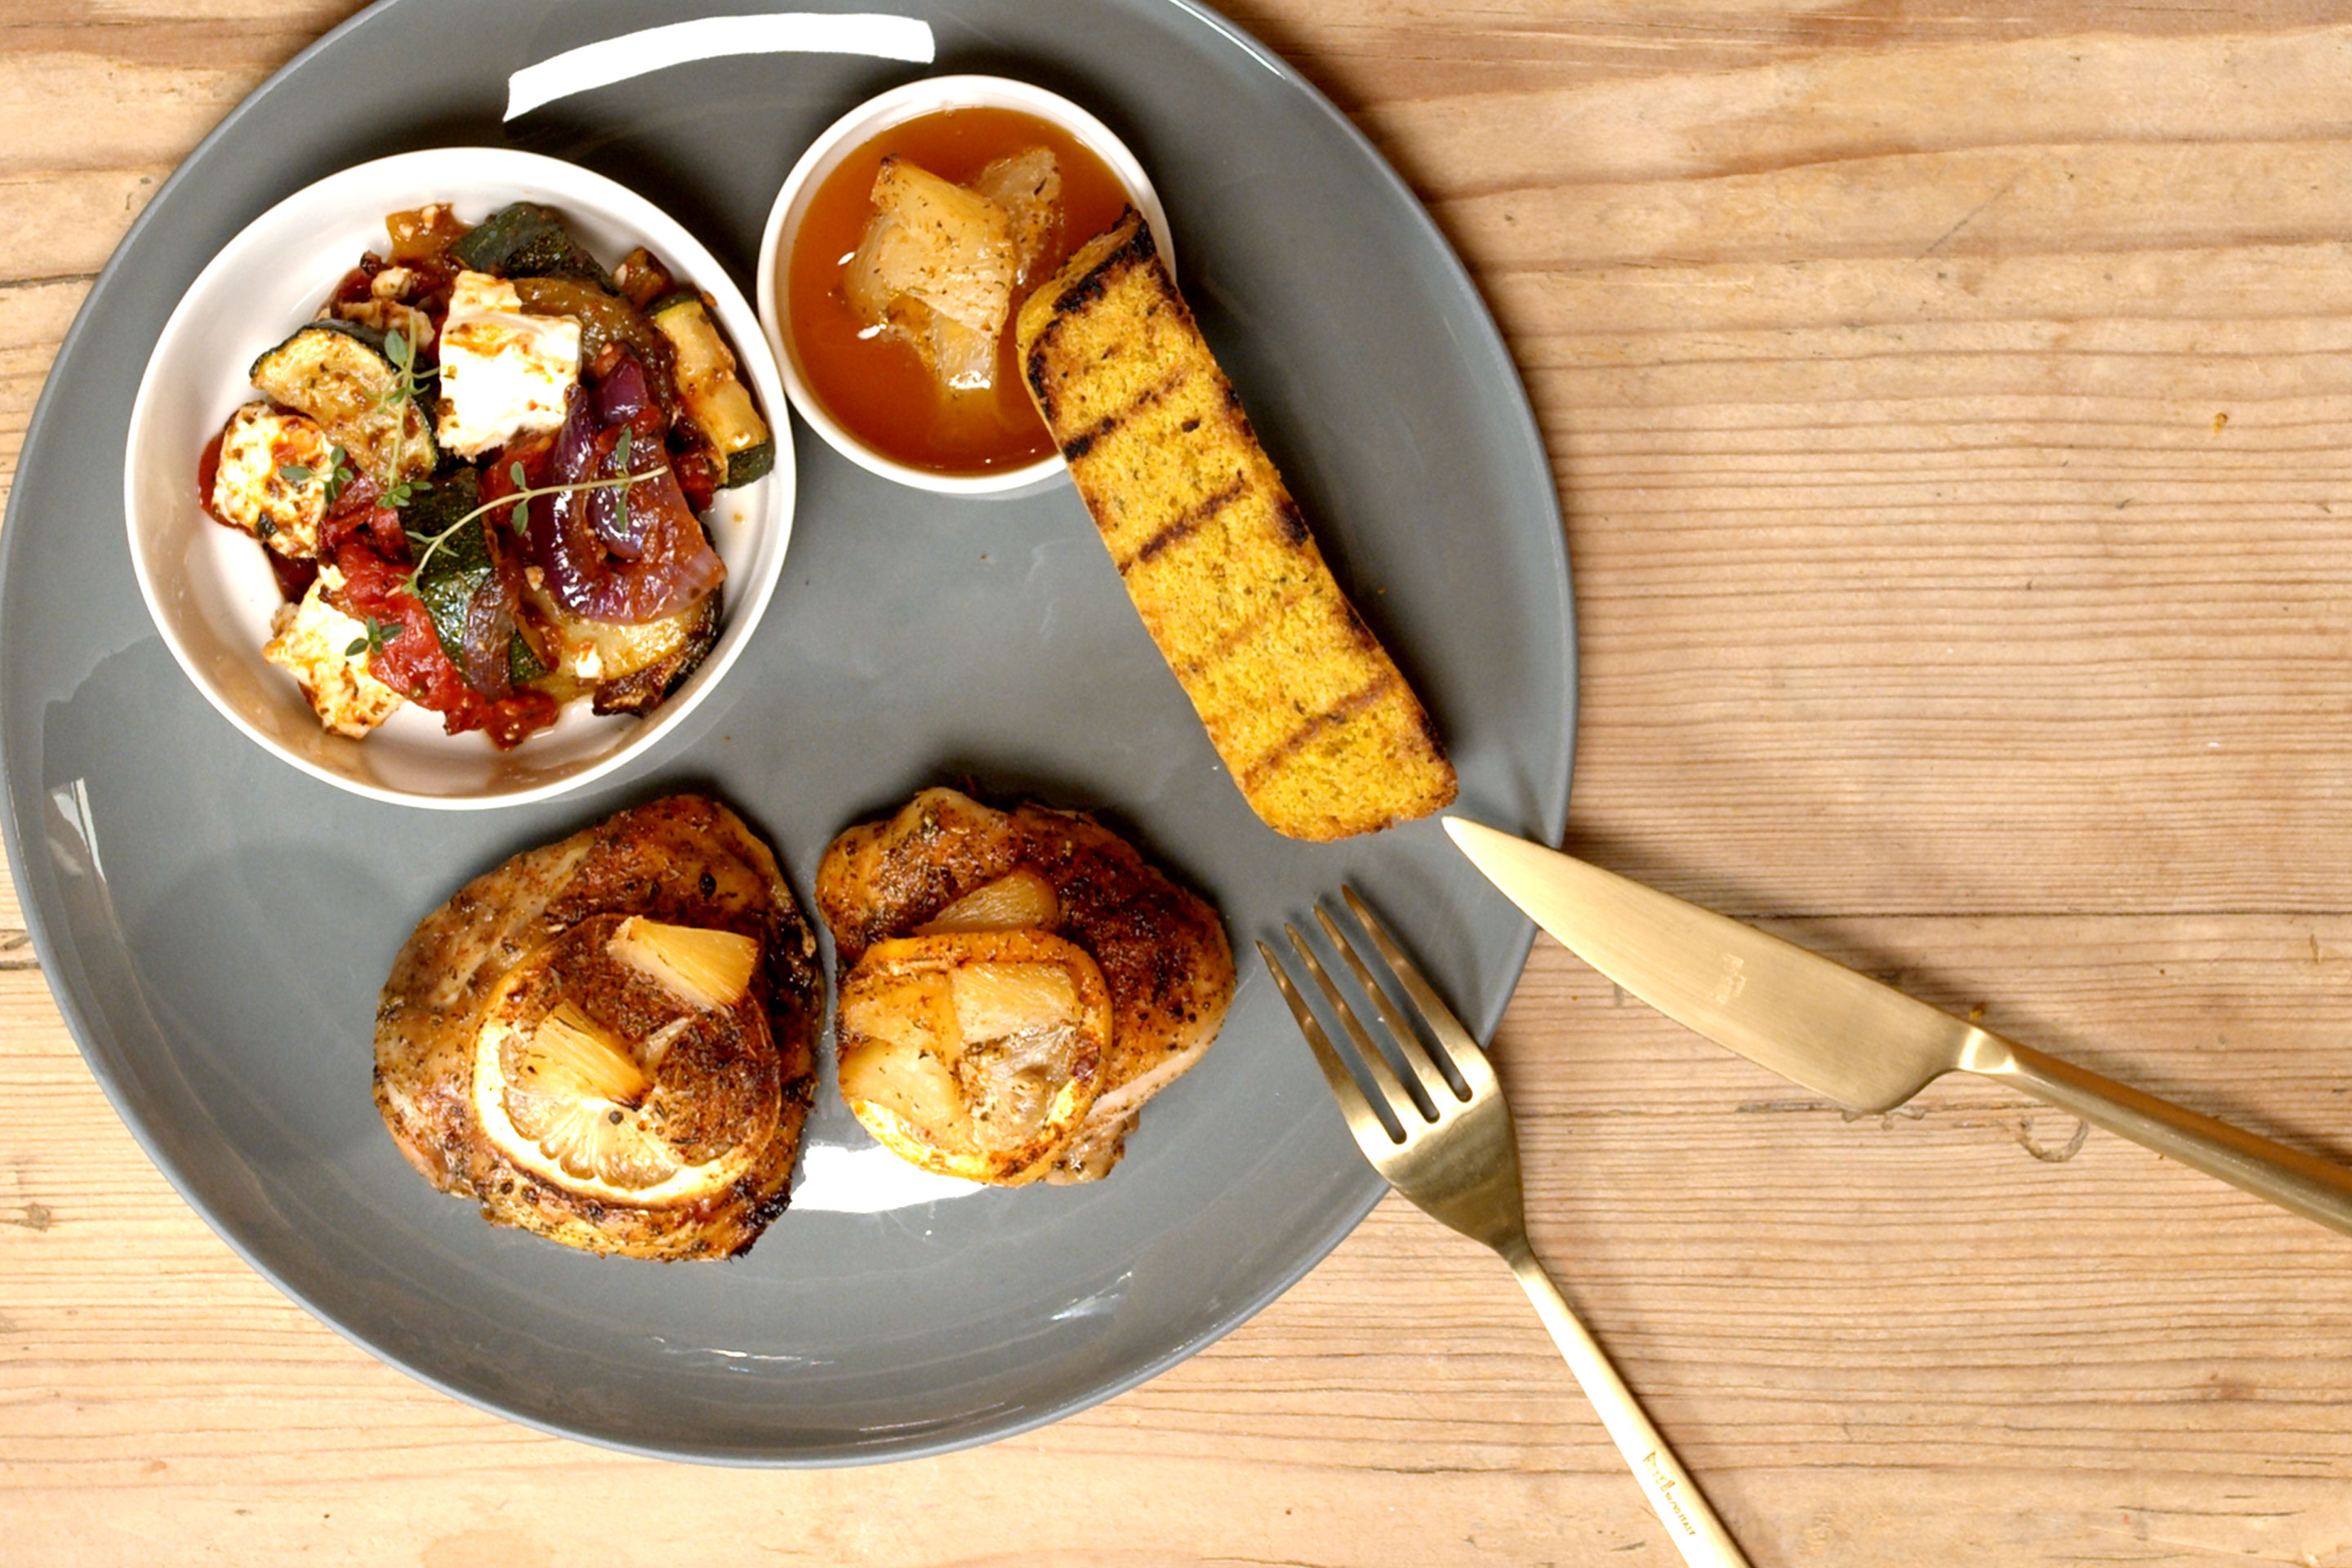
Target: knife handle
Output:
[(2302, 1183), (1673, 1496)]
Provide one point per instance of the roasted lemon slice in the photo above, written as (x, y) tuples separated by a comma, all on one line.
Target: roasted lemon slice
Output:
[(605, 1113), (974, 1054)]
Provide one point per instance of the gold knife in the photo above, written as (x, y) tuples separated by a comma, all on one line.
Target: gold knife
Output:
[(1842, 1033)]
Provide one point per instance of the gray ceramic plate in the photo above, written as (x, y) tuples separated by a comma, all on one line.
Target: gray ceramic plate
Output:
[(215, 925)]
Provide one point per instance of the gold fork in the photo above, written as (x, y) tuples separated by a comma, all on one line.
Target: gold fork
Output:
[(1447, 1144)]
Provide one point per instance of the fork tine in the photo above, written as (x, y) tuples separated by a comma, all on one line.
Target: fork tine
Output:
[(1454, 1043), (1436, 1088), (1372, 1132), (1461, 1167), (1395, 1097)]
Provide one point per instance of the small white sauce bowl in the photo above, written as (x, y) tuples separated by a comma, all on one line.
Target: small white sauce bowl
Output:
[(829, 150), (210, 588)]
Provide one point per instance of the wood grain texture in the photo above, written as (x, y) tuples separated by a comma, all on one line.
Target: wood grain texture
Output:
[(1950, 412)]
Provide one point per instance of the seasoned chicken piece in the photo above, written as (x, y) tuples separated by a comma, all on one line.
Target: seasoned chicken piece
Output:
[(610, 1040), (948, 864)]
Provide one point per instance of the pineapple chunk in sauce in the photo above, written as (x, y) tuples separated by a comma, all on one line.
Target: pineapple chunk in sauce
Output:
[(937, 263)]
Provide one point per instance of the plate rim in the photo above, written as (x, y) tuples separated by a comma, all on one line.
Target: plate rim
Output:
[(31, 876)]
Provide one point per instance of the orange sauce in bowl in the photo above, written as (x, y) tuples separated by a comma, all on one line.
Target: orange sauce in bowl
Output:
[(879, 390)]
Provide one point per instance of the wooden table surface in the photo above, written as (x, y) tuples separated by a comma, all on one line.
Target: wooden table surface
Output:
[(1950, 407)]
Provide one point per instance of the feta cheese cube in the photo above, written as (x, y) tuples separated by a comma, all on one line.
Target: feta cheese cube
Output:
[(275, 470), (503, 374), (314, 644)]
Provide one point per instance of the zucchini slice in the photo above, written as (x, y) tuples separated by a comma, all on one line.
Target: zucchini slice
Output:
[(458, 567), (645, 664), (456, 556), (528, 239), (624, 668), (715, 397), (338, 374)]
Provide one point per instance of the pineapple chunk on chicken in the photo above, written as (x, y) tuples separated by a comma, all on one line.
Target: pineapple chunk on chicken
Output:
[(974, 1054), (946, 864), (710, 969), (1020, 899)]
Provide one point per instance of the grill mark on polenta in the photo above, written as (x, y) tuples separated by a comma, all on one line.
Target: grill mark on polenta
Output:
[(1293, 524), (1339, 714), (1237, 638), (1041, 372), (1079, 445), (1138, 249), (1186, 522), (1429, 734), (1353, 620), (1312, 719)]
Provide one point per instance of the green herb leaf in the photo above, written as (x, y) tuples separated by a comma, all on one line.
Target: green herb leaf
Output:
[(339, 474), (371, 642), (294, 473)]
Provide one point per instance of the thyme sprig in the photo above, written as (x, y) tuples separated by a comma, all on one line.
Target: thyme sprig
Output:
[(339, 473), (411, 377), (370, 641), (518, 503), (408, 382)]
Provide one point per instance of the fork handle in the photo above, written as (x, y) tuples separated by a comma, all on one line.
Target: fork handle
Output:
[(1673, 1495)]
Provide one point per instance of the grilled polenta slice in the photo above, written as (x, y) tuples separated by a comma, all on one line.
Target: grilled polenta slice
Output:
[(1308, 710)]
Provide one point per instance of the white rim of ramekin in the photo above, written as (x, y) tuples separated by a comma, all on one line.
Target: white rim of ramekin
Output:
[(836, 143)]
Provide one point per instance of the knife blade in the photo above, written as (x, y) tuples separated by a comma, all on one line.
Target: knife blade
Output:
[(1843, 1035)]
